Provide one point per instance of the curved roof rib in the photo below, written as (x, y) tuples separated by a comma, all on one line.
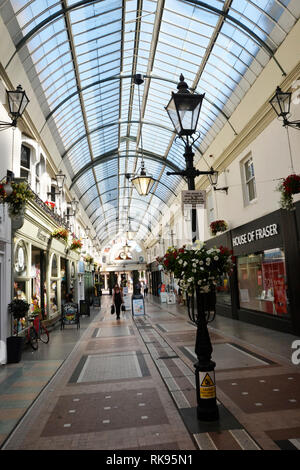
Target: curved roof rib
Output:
[(81, 57)]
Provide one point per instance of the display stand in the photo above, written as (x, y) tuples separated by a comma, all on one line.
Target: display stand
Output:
[(126, 298), (137, 305), (70, 315)]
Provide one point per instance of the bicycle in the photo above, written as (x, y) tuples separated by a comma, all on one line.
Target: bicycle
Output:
[(41, 331), (31, 336)]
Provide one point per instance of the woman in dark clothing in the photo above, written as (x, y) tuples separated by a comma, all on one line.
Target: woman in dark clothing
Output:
[(117, 300)]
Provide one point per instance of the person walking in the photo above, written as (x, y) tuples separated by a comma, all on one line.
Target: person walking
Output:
[(117, 300)]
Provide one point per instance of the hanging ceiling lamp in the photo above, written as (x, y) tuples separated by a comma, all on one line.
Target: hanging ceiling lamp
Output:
[(143, 183)]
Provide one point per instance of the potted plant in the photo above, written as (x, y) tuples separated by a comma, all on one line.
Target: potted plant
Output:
[(76, 244), (198, 267), (288, 187), (50, 204), (61, 234), (218, 226), (16, 200), (18, 308), (89, 259)]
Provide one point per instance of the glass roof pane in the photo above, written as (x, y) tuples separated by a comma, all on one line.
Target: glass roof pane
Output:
[(72, 58)]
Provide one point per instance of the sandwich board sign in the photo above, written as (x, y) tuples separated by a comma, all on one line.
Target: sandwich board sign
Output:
[(138, 306)]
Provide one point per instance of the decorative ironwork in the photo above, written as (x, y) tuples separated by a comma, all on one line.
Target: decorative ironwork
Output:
[(55, 217)]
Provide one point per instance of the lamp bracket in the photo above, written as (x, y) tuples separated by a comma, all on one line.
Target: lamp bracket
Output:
[(293, 124), (6, 125), (225, 189)]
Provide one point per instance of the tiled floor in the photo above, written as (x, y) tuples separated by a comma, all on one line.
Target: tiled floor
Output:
[(130, 384)]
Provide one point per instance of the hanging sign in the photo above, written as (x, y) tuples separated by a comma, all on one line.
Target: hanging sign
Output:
[(193, 198)]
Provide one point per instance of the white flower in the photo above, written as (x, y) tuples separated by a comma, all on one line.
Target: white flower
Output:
[(194, 265), (216, 258), (199, 282), (190, 279), (185, 264), (180, 261), (201, 262)]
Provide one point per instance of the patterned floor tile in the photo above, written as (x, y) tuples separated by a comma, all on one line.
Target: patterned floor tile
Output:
[(105, 411), (264, 394)]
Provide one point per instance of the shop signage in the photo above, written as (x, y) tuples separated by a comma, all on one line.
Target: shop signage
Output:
[(42, 235), (254, 235)]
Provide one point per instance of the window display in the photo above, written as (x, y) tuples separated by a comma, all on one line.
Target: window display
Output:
[(223, 290), (262, 282), (53, 298), (53, 302)]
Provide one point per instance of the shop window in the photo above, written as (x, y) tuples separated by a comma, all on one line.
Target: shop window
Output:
[(262, 282), (25, 163), (223, 290), (38, 284), (54, 266), (249, 181), (53, 300), (63, 276)]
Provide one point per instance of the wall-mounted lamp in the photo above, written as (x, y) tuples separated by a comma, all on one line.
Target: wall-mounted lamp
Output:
[(17, 102), (281, 103), (60, 178)]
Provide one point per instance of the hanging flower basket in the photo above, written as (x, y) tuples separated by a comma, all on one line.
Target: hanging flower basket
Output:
[(60, 234), (76, 244), (288, 187), (218, 226), (89, 259), (198, 267), (50, 204), (21, 193)]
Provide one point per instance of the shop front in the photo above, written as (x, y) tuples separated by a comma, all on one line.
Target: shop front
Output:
[(42, 268), (264, 287)]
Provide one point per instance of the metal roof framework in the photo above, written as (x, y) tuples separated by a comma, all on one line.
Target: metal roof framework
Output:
[(81, 57)]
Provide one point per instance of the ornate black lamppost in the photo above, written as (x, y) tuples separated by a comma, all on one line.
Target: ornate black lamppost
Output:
[(183, 110)]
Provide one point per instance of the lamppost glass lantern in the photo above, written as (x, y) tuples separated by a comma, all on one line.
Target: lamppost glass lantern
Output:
[(17, 102), (143, 183), (74, 205), (184, 109), (213, 177), (281, 103), (60, 178)]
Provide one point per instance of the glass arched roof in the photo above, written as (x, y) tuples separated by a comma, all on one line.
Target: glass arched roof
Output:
[(81, 56)]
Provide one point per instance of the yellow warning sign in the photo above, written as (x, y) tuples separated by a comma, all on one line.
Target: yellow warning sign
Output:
[(207, 381), (207, 387)]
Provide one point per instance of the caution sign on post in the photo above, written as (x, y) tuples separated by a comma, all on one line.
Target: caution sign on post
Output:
[(207, 385)]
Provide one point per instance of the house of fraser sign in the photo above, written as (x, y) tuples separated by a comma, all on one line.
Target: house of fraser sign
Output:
[(257, 234)]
